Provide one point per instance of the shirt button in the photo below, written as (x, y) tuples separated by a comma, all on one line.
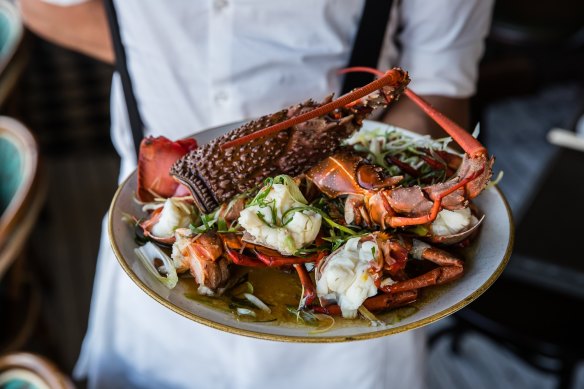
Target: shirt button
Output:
[(221, 97), (220, 4)]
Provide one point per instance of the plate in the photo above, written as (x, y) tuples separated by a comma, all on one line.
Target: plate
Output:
[(485, 260)]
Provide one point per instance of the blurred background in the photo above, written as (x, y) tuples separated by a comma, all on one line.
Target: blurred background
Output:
[(524, 332)]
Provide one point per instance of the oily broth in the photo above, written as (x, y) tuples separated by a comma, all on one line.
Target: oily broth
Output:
[(279, 290), (276, 288)]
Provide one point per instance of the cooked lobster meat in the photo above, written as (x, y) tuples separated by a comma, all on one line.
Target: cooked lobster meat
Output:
[(202, 256)]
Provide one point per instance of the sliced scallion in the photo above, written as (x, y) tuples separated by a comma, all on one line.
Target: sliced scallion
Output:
[(245, 312), (257, 302), (150, 255), (326, 322), (375, 322), (305, 317), (295, 192)]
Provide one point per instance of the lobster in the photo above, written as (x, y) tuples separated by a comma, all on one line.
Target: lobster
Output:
[(307, 133)]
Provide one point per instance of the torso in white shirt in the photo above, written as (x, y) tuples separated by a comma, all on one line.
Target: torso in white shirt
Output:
[(197, 64)]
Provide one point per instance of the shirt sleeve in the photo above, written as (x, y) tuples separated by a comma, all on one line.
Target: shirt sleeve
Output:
[(441, 44)]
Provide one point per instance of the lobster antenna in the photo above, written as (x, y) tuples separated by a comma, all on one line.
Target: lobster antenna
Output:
[(388, 78), (466, 141)]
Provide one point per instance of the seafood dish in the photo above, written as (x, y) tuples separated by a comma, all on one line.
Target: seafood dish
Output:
[(362, 220)]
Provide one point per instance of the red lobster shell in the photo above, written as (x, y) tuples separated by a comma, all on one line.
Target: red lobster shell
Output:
[(215, 175)]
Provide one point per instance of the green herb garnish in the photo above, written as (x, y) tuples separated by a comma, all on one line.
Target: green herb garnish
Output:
[(305, 317)]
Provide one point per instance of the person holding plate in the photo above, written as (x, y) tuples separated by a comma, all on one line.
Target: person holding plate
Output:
[(184, 66)]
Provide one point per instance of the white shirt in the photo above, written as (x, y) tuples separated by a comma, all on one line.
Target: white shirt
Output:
[(197, 64)]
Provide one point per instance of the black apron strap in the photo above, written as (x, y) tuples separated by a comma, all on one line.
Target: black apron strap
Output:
[(368, 42), (136, 122)]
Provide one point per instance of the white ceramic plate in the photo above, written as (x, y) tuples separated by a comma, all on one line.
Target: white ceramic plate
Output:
[(485, 261)]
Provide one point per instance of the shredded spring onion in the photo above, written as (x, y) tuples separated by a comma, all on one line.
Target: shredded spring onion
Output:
[(245, 312), (495, 181), (257, 302), (305, 317), (129, 219), (244, 287), (152, 206), (374, 321), (149, 255), (327, 323), (380, 143)]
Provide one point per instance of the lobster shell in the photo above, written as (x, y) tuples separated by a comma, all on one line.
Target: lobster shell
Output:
[(215, 175)]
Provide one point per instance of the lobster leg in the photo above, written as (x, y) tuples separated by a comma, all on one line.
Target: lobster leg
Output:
[(234, 247), (242, 259), (466, 141), (404, 167), (276, 261), (451, 161), (376, 303), (308, 290), (451, 268), (402, 221)]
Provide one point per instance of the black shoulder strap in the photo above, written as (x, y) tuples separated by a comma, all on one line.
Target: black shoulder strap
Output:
[(368, 42), (136, 122)]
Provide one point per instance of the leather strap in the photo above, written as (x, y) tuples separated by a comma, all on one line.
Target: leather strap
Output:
[(368, 42), (136, 122)]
